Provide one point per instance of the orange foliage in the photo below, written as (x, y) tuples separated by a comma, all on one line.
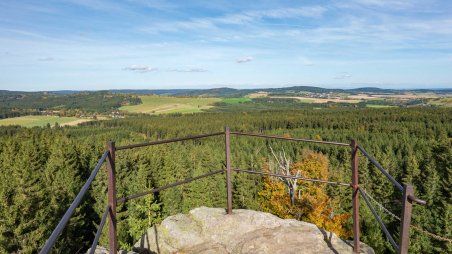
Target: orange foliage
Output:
[(275, 199), (316, 208), (312, 165), (312, 204)]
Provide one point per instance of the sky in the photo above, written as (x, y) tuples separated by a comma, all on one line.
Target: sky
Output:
[(157, 44)]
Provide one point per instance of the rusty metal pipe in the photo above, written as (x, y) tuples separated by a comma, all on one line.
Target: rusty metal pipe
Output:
[(62, 224), (405, 222), (355, 196), (417, 200), (375, 162), (290, 177), (168, 141), (111, 178), (99, 230), (227, 143), (382, 225), (122, 200), (291, 139)]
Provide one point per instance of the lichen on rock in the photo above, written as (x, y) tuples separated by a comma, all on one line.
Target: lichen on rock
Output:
[(210, 230)]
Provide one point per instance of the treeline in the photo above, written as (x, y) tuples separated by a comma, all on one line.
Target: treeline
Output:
[(272, 104), (14, 104), (42, 169), (277, 104)]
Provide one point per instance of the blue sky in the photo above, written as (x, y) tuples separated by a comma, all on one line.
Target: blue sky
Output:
[(150, 44)]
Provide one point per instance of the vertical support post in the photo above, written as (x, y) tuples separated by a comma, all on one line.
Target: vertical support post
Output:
[(406, 218), (228, 169), (355, 196), (112, 239)]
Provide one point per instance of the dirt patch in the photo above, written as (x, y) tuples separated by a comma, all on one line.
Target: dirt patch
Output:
[(257, 95), (76, 122), (316, 100)]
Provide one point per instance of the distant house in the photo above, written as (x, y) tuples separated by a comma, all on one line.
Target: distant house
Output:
[(116, 114)]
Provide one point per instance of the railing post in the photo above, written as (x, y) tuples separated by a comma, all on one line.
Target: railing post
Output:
[(406, 218), (228, 169), (112, 239), (355, 196)]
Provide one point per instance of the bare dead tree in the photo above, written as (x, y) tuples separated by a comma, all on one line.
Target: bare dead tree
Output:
[(281, 165)]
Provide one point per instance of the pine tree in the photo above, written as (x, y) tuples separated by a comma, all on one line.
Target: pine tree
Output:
[(28, 199)]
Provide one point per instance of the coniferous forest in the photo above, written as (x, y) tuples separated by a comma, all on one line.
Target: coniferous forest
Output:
[(42, 170)]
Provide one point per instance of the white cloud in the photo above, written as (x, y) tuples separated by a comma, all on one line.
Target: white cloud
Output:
[(188, 70), (162, 5), (243, 18), (309, 11), (140, 68), (343, 76), (386, 3), (46, 59), (98, 5), (244, 59), (281, 13), (178, 26)]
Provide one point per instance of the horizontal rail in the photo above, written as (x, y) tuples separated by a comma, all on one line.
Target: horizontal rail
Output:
[(382, 225), (292, 139), (417, 200), (62, 224), (371, 159), (122, 200), (99, 230), (168, 141), (290, 177)]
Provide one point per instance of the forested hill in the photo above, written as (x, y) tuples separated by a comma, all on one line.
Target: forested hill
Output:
[(24, 103), (232, 92), (42, 169)]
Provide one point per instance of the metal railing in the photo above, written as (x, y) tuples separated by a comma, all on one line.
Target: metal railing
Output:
[(407, 207), (110, 210)]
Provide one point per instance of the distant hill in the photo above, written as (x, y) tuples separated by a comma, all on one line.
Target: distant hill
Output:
[(232, 92)]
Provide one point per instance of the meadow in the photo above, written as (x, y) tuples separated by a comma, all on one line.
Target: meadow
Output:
[(441, 102), (235, 100), (33, 121), (152, 104)]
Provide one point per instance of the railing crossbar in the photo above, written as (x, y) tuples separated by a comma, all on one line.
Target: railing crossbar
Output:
[(291, 139), (99, 230), (375, 162), (168, 141), (382, 225), (290, 177), (62, 224), (124, 199)]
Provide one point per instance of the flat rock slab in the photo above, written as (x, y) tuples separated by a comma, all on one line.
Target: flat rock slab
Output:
[(210, 230)]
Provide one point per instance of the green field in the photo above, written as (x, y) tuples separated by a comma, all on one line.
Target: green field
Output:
[(379, 106), (153, 104), (32, 121), (235, 100), (441, 102)]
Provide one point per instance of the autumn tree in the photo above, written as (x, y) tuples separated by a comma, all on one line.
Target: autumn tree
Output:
[(312, 203)]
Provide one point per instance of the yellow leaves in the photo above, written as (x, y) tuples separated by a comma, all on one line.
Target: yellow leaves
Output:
[(313, 204), (317, 209), (312, 165), (275, 199)]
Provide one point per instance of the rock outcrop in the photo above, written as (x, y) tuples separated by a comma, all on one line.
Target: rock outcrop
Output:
[(209, 230)]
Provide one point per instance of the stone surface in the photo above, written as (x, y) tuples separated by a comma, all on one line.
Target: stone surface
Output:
[(209, 230), (103, 250)]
